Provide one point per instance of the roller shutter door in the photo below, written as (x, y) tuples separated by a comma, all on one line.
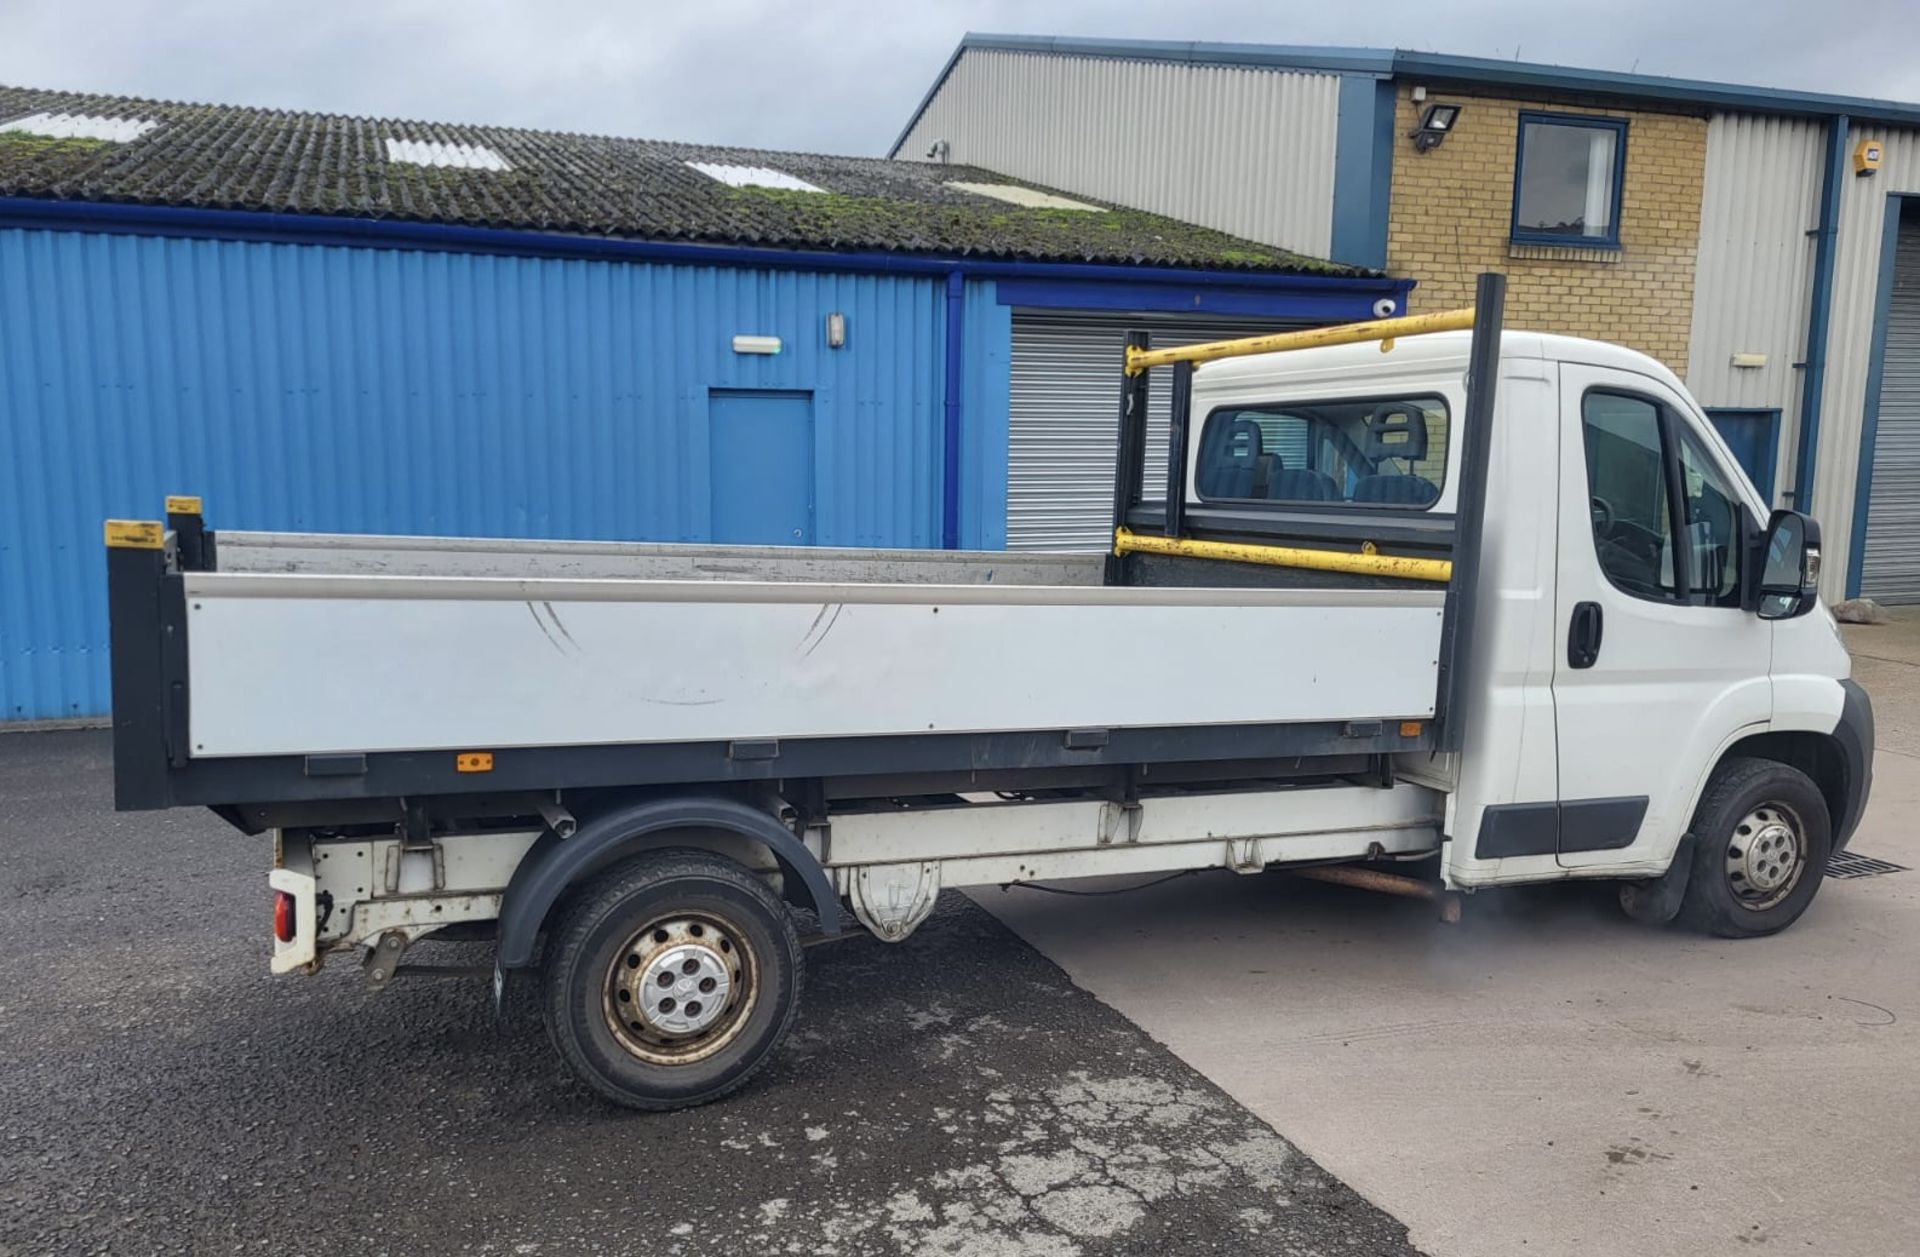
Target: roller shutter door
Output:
[(1890, 568), (1064, 418)]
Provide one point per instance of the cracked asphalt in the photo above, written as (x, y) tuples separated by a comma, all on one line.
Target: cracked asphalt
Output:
[(955, 1094)]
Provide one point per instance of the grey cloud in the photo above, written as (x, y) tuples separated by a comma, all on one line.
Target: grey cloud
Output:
[(843, 75)]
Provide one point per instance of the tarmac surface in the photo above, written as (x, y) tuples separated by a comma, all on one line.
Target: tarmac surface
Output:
[(955, 1094), (1546, 1077)]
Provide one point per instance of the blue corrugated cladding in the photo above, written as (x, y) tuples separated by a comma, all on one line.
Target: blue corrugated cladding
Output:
[(985, 389), (303, 387)]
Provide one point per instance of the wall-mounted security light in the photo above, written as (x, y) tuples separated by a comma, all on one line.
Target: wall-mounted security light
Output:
[(756, 344), (1436, 121), (836, 330)]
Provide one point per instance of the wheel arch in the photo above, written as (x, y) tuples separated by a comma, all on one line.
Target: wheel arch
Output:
[(1818, 755), (554, 865)]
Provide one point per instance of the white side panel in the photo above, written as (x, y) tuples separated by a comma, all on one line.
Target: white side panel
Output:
[(1809, 662), (1509, 751), (1245, 151), (306, 664), (1751, 283)]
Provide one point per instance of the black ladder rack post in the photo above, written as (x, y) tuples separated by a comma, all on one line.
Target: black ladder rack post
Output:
[(1131, 456), (1182, 410), (1470, 511)]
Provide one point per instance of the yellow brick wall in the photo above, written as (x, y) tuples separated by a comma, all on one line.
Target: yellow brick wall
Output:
[(1452, 210)]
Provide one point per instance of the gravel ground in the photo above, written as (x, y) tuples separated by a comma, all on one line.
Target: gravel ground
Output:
[(955, 1094)]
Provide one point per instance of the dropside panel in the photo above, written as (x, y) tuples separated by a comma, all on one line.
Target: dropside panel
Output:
[(310, 664)]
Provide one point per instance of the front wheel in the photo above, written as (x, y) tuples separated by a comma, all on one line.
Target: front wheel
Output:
[(671, 979), (1761, 840)]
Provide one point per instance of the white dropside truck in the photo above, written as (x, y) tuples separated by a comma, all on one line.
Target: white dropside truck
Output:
[(1490, 607)]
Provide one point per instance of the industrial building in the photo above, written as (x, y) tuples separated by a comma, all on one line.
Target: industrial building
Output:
[(1764, 244), (339, 324)]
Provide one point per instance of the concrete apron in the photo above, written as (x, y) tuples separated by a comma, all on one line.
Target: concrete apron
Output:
[(1547, 1077)]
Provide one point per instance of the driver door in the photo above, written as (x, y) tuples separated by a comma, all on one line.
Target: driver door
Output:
[(1658, 666)]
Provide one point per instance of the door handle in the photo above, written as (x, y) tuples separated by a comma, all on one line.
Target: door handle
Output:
[(1583, 635)]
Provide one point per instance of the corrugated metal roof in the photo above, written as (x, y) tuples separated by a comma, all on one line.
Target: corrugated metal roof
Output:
[(225, 157)]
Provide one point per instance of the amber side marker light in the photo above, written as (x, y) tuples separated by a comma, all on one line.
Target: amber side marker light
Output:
[(283, 918), (1409, 728)]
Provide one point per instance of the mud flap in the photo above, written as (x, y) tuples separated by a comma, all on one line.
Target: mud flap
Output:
[(1656, 901)]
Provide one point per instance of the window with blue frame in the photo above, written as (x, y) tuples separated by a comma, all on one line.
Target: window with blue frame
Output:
[(1566, 183)]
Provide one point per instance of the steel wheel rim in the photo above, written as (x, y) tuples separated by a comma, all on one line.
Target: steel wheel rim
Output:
[(1766, 856), (679, 988)]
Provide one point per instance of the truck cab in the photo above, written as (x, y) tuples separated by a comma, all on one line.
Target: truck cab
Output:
[(1624, 651)]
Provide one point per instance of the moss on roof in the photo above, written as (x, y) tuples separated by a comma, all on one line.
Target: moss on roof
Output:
[(224, 157)]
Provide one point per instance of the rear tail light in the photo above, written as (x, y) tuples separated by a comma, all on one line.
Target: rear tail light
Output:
[(283, 916)]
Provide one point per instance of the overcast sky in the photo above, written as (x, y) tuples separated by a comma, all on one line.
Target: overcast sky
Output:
[(843, 75)]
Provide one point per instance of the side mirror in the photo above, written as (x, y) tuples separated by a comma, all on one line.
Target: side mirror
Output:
[(1789, 566)]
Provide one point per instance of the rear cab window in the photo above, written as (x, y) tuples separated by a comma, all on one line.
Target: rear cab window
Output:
[(1365, 452)]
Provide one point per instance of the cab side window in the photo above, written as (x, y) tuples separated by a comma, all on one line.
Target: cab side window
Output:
[(1627, 493), (1643, 466), (1713, 525)]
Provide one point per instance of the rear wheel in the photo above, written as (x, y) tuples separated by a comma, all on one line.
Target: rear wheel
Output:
[(1761, 841), (671, 979)]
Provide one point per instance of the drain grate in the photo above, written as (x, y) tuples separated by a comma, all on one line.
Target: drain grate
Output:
[(1853, 864)]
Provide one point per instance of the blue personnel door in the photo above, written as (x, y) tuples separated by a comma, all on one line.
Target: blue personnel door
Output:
[(761, 452), (1753, 436)]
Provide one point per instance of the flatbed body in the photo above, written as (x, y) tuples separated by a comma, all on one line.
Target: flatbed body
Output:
[(1430, 614)]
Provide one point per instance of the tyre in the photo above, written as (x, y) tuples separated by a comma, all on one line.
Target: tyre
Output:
[(1761, 841), (670, 979)]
